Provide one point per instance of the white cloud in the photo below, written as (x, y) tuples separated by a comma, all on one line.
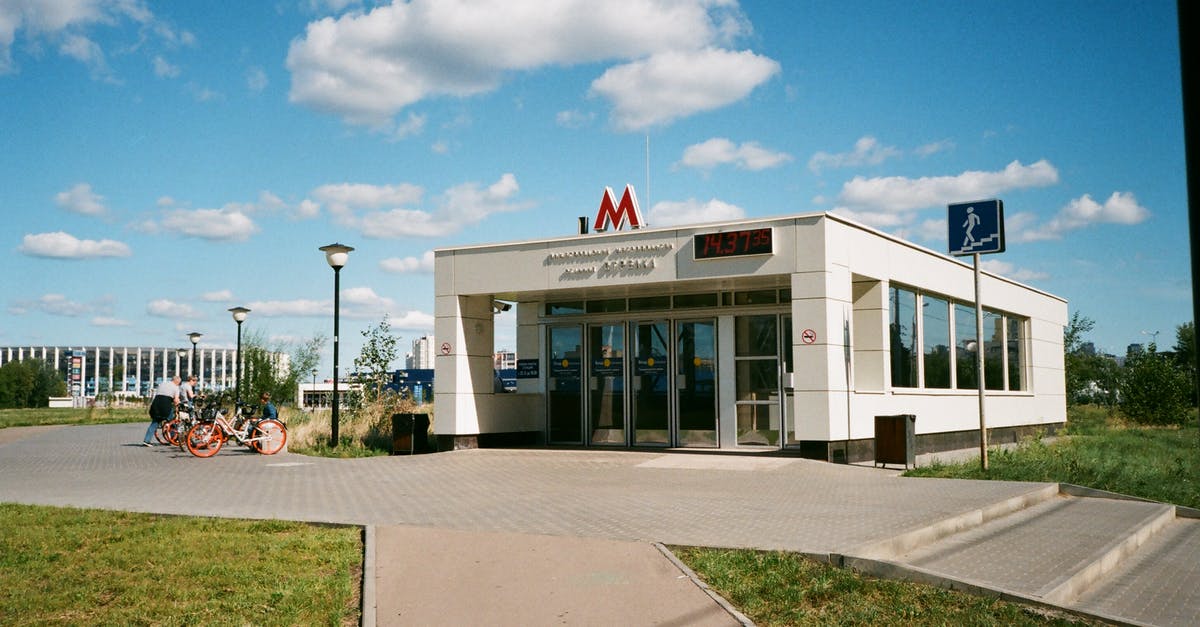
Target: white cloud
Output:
[(405, 265), (877, 219), (164, 308), (692, 211), (719, 151), (1003, 268), (574, 119), (60, 245), (164, 69), (55, 305), (675, 84), (934, 148), (256, 79), (372, 209), (103, 321), (219, 296), (81, 199), (1120, 208), (307, 209), (867, 151), (902, 194), (367, 66), (209, 224), (298, 307), (66, 26)]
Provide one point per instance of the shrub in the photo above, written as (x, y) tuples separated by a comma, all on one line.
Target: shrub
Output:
[(1154, 391)]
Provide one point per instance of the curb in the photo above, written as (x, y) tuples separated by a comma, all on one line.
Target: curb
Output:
[(738, 616), (368, 578)]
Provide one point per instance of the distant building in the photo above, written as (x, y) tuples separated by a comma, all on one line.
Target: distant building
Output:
[(421, 357), (505, 360), (131, 371)]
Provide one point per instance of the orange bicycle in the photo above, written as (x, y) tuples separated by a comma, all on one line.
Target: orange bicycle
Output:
[(206, 437)]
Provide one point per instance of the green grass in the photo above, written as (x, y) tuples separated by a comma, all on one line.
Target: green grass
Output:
[(1102, 452), (76, 566), (778, 588), (70, 416)]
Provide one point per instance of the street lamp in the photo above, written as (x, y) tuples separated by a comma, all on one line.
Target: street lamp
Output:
[(182, 354), (336, 255), (239, 316), (313, 394), (195, 338)]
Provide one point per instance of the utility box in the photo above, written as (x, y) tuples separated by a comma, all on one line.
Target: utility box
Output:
[(896, 440), (410, 434)]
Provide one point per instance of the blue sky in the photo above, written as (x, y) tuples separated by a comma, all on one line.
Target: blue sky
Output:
[(161, 162)]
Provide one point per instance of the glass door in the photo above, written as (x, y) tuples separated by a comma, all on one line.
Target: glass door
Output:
[(696, 382), (606, 383), (651, 384), (564, 389), (758, 402)]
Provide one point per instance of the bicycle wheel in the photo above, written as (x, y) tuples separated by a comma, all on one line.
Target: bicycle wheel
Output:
[(269, 436), (159, 433), (170, 432), (204, 440)]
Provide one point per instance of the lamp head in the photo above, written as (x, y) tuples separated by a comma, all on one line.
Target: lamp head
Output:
[(182, 352), (336, 255), (239, 313), (194, 337)]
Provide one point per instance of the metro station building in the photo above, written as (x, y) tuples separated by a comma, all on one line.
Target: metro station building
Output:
[(782, 334)]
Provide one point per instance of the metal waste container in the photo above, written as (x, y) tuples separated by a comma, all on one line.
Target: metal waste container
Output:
[(410, 434), (896, 440)]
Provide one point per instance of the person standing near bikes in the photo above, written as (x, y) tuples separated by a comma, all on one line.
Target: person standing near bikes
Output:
[(166, 397), (268, 408), (187, 391)]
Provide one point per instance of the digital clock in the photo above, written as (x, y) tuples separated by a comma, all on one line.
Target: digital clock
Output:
[(732, 244)]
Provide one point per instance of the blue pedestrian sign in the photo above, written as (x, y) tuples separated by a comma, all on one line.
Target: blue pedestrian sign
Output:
[(977, 227)]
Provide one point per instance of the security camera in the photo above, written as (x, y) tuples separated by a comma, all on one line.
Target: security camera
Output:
[(500, 306)]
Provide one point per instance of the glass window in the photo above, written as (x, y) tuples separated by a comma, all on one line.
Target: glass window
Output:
[(1016, 353), (645, 303), (758, 297), (756, 336), (965, 347), (564, 309), (903, 330), (935, 318), (993, 350), (608, 304), (684, 301)]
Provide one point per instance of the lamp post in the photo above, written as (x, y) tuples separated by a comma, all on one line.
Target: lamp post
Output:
[(314, 389), (182, 354), (336, 255), (239, 316), (195, 338)]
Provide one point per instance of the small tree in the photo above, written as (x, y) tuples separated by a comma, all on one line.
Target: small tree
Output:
[(1154, 390), (375, 360)]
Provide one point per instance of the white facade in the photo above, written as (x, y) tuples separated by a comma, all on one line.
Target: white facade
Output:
[(664, 339)]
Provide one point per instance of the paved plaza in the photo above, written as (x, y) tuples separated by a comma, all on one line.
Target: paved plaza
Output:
[(458, 516)]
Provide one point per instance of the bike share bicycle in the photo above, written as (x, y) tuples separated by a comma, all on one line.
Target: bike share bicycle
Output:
[(206, 437)]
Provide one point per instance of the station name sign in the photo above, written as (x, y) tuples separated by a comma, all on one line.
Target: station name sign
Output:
[(733, 244)]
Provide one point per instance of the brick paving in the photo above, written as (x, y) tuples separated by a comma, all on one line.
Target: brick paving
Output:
[(763, 502)]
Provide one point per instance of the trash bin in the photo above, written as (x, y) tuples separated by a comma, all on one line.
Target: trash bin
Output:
[(896, 440), (410, 434)]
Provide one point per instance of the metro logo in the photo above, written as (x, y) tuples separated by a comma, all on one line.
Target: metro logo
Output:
[(616, 215)]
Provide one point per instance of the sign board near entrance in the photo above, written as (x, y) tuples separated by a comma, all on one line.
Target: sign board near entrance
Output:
[(528, 368), (976, 227), (733, 244)]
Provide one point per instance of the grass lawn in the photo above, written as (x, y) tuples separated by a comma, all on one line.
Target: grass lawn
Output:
[(70, 416), (779, 588), (1103, 452), (75, 566)]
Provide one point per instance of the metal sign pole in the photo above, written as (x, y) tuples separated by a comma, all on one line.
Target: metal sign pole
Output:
[(983, 454)]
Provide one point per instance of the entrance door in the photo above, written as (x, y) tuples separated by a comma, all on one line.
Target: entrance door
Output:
[(758, 402), (696, 382), (651, 384), (606, 383), (564, 389)]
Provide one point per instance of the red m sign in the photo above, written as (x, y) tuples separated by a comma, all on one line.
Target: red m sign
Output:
[(617, 215)]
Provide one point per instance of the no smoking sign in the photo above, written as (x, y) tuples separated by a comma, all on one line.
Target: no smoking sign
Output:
[(808, 336)]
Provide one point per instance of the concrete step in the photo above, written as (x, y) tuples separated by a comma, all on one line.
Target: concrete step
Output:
[(1158, 585), (1051, 551)]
